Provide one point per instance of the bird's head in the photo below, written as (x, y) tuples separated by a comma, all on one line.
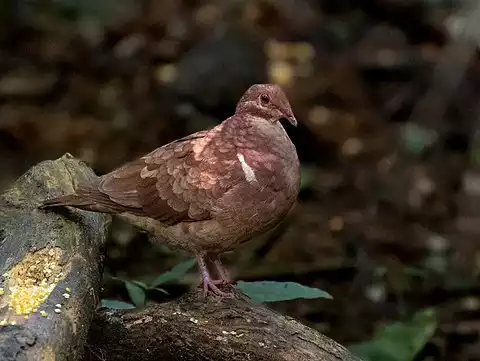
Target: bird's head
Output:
[(267, 101)]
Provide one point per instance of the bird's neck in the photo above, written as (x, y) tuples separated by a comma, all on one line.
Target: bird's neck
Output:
[(249, 131)]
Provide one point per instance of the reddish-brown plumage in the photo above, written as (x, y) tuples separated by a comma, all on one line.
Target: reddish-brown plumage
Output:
[(209, 191)]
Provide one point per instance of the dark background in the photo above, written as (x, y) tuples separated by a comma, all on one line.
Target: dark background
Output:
[(386, 93)]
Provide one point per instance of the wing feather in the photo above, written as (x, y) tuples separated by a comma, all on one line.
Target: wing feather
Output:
[(174, 183)]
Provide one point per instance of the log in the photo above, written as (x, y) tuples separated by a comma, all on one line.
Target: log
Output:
[(193, 328), (50, 266)]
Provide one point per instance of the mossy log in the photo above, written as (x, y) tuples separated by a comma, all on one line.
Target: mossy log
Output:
[(193, 328), (50, 266)]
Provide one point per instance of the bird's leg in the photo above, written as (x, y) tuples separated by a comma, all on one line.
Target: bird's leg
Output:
[(221, 270), (208, 283)]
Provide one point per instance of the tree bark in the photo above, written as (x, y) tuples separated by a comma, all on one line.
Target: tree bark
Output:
[(193, 328), (50, 266)]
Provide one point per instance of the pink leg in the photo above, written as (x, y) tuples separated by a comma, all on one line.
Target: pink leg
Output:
[(208, 283), (221, 270)]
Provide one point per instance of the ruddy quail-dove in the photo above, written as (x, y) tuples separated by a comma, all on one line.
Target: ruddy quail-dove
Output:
[(210, 191)]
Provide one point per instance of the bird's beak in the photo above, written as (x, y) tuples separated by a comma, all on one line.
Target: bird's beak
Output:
[(287, 114), (292, 120)]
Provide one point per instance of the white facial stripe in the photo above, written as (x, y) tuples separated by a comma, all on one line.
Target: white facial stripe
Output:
[(247, 170)]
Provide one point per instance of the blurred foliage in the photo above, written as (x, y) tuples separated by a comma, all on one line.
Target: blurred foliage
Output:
[(399, 341), (175, 273), (417, 138), (116, 304), (137, 290), (137, 294), (261, 291)]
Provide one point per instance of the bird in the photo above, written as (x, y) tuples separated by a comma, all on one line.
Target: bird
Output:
[(210, 191)]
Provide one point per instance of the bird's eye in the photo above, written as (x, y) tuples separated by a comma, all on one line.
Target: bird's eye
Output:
[(264, 99)]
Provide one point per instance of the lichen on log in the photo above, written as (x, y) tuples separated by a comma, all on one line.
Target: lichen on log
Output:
[(50, 266)]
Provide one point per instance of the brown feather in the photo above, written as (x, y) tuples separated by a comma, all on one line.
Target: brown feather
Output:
[(171, 184)]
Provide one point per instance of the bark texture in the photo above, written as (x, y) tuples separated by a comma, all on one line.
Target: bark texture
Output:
[(50, 265), (195, 329)]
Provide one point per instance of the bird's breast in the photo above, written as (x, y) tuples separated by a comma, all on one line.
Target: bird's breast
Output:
[(266, 190)]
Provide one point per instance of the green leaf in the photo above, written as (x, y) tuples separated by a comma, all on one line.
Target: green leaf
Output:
[(160, 290), (399, 341), (140, 284), (271, 291), (175, 273), (136, 293), (117, 305)]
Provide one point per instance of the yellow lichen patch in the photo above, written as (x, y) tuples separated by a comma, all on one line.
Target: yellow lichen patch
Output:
[(32, 280)]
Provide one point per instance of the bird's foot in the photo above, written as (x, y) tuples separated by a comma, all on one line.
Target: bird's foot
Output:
[(222, 272), (221, 282), (209, 285)]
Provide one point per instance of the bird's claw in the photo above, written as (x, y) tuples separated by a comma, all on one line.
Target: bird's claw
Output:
[(210, 285)]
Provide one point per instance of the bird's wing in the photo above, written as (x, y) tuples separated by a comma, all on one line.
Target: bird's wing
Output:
[(178, 182)]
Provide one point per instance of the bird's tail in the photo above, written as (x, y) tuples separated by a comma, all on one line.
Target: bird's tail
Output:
[(72, 200), (86, 197)]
